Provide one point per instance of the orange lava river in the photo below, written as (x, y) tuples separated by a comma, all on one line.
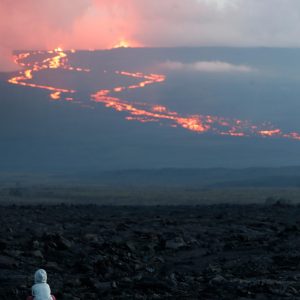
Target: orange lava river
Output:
[(136, 111)]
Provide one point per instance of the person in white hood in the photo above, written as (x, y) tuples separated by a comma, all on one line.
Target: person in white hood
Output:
[(41, 289)]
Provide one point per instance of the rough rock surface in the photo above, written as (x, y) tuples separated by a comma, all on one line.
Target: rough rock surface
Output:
[(205, 252)]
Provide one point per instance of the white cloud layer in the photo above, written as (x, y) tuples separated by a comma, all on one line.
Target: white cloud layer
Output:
[(207, 66)]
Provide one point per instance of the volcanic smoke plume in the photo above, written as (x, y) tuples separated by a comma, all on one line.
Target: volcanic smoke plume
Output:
[(44, 24), (98, 24)]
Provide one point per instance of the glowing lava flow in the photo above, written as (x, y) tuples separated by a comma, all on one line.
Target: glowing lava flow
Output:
[(58, 60), (139, 111), (144, 112)]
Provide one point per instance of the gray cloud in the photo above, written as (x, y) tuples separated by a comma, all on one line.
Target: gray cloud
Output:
[(220, 23)]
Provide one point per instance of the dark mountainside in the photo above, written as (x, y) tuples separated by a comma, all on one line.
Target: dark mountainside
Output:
[(41, 135)]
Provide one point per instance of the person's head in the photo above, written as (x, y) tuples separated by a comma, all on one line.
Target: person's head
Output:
[(40, 276)]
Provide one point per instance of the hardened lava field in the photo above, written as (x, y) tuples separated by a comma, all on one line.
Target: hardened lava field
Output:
[(201, 252)]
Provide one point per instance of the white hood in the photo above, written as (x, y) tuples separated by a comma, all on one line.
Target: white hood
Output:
[(40, 276)]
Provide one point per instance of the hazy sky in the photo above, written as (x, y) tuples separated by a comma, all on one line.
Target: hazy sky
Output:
[(103, 23)]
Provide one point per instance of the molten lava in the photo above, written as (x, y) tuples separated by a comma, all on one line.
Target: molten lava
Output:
[(58, 59), (122, 44), (55, 95), (136, 111)]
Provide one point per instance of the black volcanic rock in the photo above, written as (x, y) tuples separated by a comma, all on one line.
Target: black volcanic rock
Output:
[(205, 252)]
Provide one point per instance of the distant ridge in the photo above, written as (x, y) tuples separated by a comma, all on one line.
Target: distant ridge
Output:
[(202, 178)]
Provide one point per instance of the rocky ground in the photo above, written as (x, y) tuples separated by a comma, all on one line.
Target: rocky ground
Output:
[(204, 252)]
